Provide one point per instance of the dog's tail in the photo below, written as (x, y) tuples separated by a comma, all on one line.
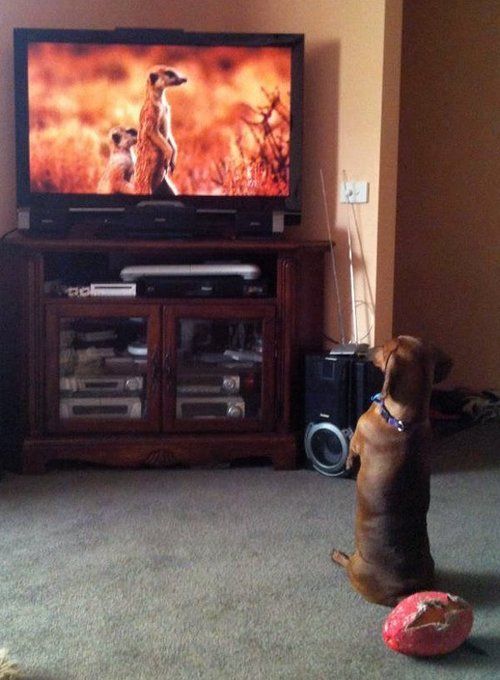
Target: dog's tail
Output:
[(340, 558)]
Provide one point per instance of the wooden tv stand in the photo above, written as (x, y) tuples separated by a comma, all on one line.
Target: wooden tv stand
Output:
[(150, 381)]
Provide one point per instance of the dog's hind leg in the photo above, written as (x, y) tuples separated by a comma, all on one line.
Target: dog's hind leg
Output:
[(340, 558)]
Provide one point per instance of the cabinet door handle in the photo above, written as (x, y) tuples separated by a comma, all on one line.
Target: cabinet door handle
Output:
[(155, 369), (167, 368)]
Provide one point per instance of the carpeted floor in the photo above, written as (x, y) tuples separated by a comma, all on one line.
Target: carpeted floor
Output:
[(225, 574)]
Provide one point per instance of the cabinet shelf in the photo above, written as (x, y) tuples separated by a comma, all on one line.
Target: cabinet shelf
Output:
[(138, 300)]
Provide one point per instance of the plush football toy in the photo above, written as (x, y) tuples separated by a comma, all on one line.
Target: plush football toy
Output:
[(428, 623)]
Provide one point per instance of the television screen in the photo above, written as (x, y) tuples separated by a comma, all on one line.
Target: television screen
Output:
[(107, 117)]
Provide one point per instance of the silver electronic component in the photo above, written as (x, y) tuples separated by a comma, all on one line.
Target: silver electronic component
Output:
[(100, 407), (101, 384), (210, 407)]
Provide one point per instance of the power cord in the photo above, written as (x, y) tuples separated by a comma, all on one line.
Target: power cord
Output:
[(4, 236)]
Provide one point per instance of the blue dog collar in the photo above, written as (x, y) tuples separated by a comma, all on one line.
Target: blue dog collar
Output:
[(386, 415)]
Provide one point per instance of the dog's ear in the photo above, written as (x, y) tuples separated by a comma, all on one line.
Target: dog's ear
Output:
[(379, 355), (442, 365)]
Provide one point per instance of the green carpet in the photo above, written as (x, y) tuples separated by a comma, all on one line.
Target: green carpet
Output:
[(225, 574)]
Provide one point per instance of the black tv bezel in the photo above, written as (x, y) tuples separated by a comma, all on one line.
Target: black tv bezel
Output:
[(89, 202)]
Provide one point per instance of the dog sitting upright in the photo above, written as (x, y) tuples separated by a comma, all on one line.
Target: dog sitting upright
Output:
[(392, 438)]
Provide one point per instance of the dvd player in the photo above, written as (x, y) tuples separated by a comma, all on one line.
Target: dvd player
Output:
[(200, 286), (249, 272)]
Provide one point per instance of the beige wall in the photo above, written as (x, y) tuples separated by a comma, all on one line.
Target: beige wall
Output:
[(351, 111), (351, 80), (448, 239)]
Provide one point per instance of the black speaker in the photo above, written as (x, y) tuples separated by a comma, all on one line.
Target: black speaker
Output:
[(338, 389)]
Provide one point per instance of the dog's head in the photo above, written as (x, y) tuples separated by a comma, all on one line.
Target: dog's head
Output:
[(407, 361), (161, 77), (122, 138)]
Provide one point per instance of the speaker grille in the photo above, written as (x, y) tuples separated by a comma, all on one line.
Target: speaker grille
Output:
[(327, 448)]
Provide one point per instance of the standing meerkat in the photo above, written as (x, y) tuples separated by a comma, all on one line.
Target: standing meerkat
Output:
[(156, 147), (118, 174)]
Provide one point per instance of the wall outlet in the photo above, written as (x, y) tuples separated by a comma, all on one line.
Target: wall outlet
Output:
[(354, 192)]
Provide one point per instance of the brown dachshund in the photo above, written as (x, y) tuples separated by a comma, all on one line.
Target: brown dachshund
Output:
[(392, 440)]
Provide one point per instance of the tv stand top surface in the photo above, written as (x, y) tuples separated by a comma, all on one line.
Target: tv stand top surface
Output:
[(271, 244)]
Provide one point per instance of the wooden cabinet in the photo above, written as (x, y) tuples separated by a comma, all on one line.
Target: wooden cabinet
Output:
[(157, 381)]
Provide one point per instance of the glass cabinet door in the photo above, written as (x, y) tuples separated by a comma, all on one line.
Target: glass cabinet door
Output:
[(219, 370), (103, 368)]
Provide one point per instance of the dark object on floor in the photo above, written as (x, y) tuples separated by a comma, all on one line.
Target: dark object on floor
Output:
[(457, 409)]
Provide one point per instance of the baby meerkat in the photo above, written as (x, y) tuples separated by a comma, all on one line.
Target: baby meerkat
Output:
[(118, 175)]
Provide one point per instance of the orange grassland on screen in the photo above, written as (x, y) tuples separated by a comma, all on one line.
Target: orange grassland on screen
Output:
[(230, 120)]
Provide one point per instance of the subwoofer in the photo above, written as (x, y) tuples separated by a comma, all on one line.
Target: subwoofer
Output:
[(337, 391)]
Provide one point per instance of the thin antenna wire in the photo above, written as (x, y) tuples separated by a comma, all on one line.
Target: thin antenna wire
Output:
[(363, 259), (370, 306), (353, 291), (334, 266), (351, 271)]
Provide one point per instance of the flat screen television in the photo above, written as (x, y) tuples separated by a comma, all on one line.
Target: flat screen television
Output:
[(113, 122)]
